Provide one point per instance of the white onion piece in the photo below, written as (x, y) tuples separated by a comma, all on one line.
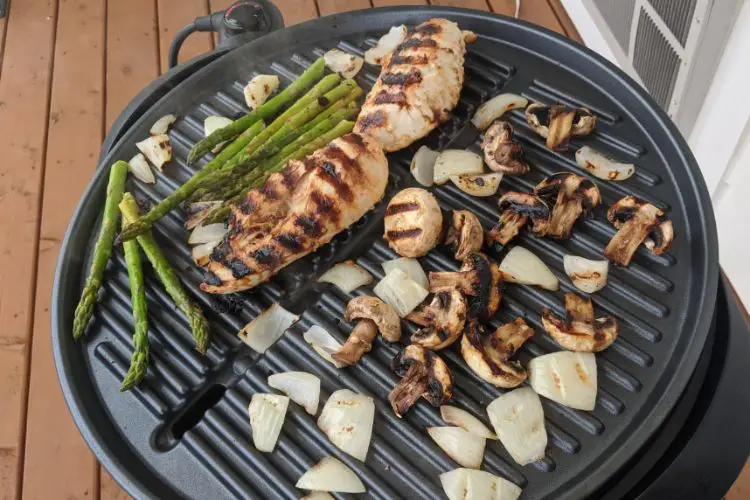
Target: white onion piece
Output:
[(423, 165), (456, 162), (213, 123), (465, 420), (200, 253), (161, 125), (204, 234), (156, 149), (566, 377), (343, 63), (140, 168), (303, 388), (323, 343), (259, 88), (523, 267), (495, 108), (470, 484), (410, 267), (198, 211), (330, 474), (462, 446), (263, 332), (481, 186), (385, 45), (587, 275), (602, 166), (347, 419), (267, 412), (518, 419), (348, 276), (318, 495), (400, 291)]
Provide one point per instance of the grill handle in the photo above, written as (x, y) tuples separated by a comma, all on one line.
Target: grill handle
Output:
[(242, 22)]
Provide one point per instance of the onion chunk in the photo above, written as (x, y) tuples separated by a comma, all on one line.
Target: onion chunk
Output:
[(410, 267), (466, 421), (267, 412), (566, 377), (602, 166), (347, 420), (207, 234), (456, 162), (263, 332), (523, 267), (587, 275), (330, 474), (385, 45), (161, 125), (518, 419), (259, 89), (481, 186), (323, 343), (423, 166), (157, 149), (347, 276), (343, 63), (201, 253), (303, 388), (465, 448), (140, 168), (469, 484), (398, 290), (495, 108)]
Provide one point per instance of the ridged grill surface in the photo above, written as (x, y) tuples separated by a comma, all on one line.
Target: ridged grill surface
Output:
[(653, 300)]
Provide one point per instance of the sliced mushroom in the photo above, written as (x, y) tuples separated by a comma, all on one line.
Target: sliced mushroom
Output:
[(488, 354), (501, 152), (579, 331), (557, 123), (637, 222), (373, 316), (516, 209), (413, 222), (423, 374), (442, 321), (572, 196), (479, 279), (465, 235)]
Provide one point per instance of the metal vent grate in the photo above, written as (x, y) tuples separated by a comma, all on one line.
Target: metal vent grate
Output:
[(619, 16), (676, 15), (655, 61)]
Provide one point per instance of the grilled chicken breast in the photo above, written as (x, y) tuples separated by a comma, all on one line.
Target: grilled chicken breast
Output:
[(418, 86), (296, 211)]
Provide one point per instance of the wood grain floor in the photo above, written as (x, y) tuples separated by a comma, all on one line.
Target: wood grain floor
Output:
[(67, 68)]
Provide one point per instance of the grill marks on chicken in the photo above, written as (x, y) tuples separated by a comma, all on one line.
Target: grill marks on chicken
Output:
[(296, 211), (418, 86)]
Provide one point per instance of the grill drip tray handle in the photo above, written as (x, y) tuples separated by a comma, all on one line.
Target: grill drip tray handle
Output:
[(243, 21)]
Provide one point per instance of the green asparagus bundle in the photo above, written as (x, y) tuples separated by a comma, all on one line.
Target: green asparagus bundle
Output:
[(102, 249), (168, 278), (270, 108), (139, 360)]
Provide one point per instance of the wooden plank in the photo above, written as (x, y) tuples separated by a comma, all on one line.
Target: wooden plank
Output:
[(535, 11), (394, 3), (3, 27), (173, 15), (328, 7), (297, 11), (565, 21), (57, 462), (466, 4), (132, 52), (24, 101), (109, 489)]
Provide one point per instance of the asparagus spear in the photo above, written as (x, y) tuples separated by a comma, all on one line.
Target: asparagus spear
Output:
[(179, 195), (270, 108), (168, 278), (103, 248), (221, 212), (139, 360)]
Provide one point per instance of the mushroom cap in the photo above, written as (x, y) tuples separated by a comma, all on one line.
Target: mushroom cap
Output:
[(383, 315), (557, 123), (637, 222), (413, 222), (479, 279), (516, 209), (579, 331), (439, 379), (465, 234), (488, 354), (443, 320), (501, 152), (572, 196)]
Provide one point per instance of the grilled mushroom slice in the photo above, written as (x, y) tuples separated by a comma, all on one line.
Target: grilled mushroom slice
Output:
[(501, 152), (442, 320), (423, 374), (579, 331), (465, 234), (488, 354), (479, 279), (413, 222), (572, 196), (557, 123), (638, 222), (373, 316), (516, 209)]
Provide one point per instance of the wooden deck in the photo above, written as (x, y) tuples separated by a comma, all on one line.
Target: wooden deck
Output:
[(68, 68)]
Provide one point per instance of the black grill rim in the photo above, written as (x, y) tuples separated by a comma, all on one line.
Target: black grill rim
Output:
[(134, 477)]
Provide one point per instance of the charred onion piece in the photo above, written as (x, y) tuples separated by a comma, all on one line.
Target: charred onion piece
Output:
[(572, 196), (638, 222), (479, 279), (413, 222), (488, 354), (373, 315), (423, 374), (516, 209), (579, 331), (442, 321), (501, 152), (465, 234), (557, 123)]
